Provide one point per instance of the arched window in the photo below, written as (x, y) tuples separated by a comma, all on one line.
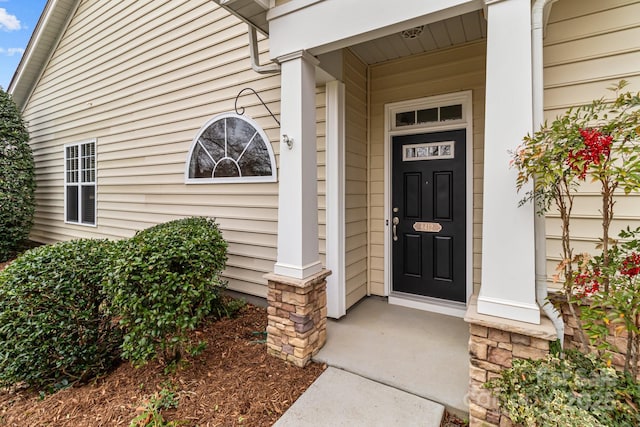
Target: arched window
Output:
[(230, 148)]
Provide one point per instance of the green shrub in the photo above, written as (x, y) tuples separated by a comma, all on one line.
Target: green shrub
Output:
[(17, 184), (575, 390), (165, 284), (54, 324)]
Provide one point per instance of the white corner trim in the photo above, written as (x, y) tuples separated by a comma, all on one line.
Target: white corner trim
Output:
[(466, 99), (335, 195)]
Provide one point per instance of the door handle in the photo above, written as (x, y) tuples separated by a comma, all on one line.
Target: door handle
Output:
[(395, 223)]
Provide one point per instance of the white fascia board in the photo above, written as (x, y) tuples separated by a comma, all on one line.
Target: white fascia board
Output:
[(324, 26), (43, 42)]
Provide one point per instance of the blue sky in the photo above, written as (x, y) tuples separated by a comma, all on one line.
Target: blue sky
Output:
[(18, 18)]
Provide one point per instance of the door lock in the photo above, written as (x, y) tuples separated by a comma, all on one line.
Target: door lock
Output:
[(395, 223)]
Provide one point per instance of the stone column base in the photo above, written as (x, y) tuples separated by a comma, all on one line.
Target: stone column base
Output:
[(618, 338), (297, 316), (493, 344)]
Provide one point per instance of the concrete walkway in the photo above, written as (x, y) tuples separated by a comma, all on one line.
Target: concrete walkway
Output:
[(392, 363), (338, 398), (423, 353)]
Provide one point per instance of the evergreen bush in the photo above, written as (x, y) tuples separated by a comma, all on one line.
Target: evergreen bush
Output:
[(17, 183), (166, 283), (55, 326)]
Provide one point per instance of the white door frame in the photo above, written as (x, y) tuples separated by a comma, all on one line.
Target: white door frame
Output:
[(465, 98)]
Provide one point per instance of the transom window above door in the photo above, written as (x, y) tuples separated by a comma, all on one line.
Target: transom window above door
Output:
[(230, 148), (427, 116)]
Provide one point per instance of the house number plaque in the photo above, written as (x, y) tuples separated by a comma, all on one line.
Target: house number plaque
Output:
[(429, 227)]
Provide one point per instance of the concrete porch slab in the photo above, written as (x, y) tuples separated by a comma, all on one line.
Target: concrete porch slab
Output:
[(339, 398), (422, 353)]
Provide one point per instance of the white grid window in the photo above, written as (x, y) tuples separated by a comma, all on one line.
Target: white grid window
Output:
[(80, 183)]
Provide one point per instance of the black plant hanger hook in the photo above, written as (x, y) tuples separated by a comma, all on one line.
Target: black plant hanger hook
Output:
[(241, 109)]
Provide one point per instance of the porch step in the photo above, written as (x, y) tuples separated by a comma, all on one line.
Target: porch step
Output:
[(340, 398)]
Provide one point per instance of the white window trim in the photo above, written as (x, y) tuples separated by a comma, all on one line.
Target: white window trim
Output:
[(465, 98), (93, 141), (241, 179)]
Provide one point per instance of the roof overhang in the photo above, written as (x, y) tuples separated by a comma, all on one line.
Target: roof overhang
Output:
[(321, 26), (46, 36), (253, 12)]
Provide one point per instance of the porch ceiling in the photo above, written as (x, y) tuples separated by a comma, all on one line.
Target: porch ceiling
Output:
[(437, 35)]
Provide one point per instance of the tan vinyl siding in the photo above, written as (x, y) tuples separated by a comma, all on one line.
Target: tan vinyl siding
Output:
[(444, 71), (589, 45), (142, 78), (355, 77)]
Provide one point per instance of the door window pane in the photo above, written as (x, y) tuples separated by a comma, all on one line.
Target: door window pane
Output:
[(428, 151)]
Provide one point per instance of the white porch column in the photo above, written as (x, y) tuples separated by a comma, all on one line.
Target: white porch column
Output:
[(508, 247), (298, 187), (335, 181)]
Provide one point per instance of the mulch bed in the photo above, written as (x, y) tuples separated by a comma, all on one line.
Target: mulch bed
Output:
[(232, 383), (450, 420)]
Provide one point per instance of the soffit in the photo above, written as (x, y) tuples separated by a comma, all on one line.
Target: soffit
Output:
[(48, 32), (437, 35), (253, 12)]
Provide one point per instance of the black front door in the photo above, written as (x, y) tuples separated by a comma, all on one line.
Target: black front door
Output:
[(429, 214)]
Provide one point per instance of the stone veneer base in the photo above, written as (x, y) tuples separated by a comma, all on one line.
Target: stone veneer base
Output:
[(297, 316), (617, 337), (493, 344)]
